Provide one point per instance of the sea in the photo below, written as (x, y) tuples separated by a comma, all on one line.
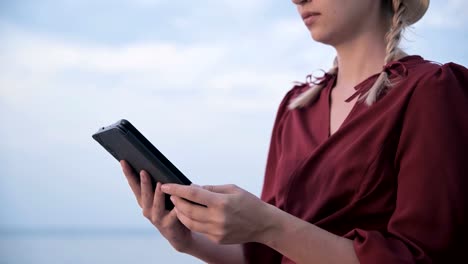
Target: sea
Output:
[(90, 246)]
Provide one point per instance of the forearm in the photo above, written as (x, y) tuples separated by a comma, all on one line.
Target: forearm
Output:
[(303, 242), (213, 253)]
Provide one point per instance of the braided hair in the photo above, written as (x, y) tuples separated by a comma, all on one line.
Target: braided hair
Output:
[(310, 94), (393, 38)]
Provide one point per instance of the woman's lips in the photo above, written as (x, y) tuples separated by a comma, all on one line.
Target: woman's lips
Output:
[(310, 18)]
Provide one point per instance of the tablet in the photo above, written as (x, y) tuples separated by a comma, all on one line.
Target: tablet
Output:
[(123, 141)]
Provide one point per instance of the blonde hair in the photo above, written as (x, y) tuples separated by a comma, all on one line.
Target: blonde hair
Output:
[(393, 38)]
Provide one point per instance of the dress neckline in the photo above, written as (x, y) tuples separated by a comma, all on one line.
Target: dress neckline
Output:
[(395, 67), (405, 61)]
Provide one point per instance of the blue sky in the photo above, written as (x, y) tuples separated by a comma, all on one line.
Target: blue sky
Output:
[(202, 80)]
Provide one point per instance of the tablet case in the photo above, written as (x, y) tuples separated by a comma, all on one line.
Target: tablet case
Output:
[(123, 141)]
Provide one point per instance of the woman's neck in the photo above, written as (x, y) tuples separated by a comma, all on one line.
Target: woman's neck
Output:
[(360, 58)]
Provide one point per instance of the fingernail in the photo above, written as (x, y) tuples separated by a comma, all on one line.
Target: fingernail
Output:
[(172, 198), (164, 187)]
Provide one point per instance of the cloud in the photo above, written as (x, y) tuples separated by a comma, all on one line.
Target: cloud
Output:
[(215, 69), (236, 5), (208, 105), (450, 14), (44, 55), (245, 5)]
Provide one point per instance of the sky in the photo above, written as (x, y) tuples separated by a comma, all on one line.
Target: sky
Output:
[(202, 80)]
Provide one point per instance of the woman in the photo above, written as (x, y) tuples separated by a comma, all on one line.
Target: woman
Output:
[(366, 165)]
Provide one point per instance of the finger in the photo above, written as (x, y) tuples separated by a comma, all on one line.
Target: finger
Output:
[(226, 189), (191, 193), (192, 224), (172, 216), (192, 211), (132, 179), (158, 209), (169, 219), (146, 193)]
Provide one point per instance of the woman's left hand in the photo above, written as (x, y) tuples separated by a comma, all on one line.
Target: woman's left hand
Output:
[(231, 216)]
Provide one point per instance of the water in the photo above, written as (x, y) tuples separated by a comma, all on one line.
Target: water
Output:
[(72, 248)]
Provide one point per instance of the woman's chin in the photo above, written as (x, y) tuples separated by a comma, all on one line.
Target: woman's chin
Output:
[(321, 37), (317, 37)]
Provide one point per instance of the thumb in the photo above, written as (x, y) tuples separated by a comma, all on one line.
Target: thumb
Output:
[(227, 189)]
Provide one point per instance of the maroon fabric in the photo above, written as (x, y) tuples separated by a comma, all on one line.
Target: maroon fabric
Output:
[(393, 178)]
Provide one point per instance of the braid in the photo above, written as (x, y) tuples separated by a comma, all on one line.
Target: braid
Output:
[(311, 94), (393, 39)]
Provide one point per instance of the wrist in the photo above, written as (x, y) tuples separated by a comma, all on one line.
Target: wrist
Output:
[(271, 225), (190, 246)]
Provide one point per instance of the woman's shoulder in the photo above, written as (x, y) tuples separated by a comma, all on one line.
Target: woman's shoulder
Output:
[(283, 108), (429, 74), (437, 86), (310, 83), (297, 89)]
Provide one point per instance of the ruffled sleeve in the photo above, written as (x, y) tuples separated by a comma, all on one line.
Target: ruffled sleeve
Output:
[(429, 224)]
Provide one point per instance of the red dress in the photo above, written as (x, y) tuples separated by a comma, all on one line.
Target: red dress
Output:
[(394, 176)]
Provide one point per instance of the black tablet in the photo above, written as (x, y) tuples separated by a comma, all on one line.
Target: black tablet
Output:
[(123, 141)]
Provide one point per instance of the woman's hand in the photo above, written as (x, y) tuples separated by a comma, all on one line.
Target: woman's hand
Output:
[(153, 207), (231, 216)]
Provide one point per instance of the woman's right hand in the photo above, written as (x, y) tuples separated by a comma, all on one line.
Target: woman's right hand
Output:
[(152, 203)]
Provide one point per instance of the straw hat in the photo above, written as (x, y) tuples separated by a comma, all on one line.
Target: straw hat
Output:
[(415, 10)]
